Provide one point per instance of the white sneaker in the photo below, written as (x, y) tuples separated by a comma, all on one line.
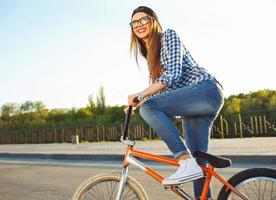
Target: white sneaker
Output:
[(187, 171)]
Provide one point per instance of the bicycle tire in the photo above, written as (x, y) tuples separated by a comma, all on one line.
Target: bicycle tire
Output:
[(255, 183), (94, 188)]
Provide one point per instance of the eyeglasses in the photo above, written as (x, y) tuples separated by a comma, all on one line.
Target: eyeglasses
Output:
[(143, 21)]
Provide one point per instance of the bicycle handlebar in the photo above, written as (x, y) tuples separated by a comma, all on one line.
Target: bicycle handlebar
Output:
[(128, 115), (127, 119)]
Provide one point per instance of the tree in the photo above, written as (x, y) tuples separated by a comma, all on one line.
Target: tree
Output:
[(57, 115), (83, 113), (100, 101), (91, 104), (39, 106), (115, 113), (8, 110), (27, 107), (272, 103), (232, 105)]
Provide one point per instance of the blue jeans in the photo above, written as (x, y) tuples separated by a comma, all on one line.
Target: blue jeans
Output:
[(199, 105)]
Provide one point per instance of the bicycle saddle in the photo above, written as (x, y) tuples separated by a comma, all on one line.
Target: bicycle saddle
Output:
[(216, 161)]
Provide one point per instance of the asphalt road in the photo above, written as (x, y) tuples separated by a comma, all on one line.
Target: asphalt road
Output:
[(44, 180)]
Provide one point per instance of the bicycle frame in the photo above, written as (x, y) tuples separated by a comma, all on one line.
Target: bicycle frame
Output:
[(131, 160)]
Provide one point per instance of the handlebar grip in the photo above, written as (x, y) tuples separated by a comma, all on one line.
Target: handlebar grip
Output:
[(128, 115), (127, 119), (138, 99)]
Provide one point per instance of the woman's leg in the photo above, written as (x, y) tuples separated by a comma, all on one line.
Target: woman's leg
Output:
[(164, 127), (203, 99), (197, 134), (197, 100)]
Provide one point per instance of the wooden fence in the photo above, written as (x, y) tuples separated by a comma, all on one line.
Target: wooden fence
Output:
[(244, 126), (224, 127)]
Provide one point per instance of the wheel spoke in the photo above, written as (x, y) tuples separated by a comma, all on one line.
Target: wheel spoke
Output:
[(113, 189), (92, 195), (107, 190), (272, 189), (98, 191), (247, 194), (258, 188), (126, 191), (252, 187), (264, 191), (102, 190), (126, 195), (105, 187)]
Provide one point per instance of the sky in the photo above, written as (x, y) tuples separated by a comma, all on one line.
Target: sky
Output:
[(61, 51)]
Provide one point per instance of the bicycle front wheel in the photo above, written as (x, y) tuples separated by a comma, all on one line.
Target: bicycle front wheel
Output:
[(255, 183), (105, 187)]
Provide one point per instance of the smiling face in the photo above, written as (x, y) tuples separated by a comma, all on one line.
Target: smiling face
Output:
[(146, 34), (141, 25)]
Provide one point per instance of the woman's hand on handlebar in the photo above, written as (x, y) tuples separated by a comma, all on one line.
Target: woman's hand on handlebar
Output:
[(131, 100), (132, 112), (135, 102)]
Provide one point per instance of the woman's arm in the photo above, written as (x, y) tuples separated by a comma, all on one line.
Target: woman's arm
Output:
[(153, 88)]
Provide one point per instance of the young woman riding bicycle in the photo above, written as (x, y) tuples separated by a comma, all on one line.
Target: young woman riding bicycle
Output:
[(178, 87)]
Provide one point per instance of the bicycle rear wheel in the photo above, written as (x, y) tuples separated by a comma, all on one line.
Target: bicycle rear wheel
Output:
[(105, 187), (255, 183)]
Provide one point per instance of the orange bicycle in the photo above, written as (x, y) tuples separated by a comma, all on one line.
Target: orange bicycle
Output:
[(250, 184)]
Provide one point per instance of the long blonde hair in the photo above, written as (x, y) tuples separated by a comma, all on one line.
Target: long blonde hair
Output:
[(152, 54)]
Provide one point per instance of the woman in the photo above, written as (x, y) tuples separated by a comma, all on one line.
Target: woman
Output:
[(178, 87)]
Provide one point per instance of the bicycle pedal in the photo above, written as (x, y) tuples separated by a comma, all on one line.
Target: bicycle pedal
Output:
[(171, 187)]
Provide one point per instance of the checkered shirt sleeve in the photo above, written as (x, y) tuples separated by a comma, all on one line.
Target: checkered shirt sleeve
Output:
[(171, 58)]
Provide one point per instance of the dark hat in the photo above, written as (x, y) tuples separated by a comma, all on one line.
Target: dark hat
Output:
[(145, 9)]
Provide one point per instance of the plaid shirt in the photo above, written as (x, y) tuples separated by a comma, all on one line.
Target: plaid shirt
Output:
[(179, 68)]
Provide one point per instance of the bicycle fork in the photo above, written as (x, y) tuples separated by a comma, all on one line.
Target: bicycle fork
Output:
[(122, 183)]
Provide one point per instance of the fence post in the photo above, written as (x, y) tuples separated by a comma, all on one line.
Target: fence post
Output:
[(183, 128), (226, 127), (2, 135), (27, 139), (252, 124), (122, 129), (112, 129), (256, 123), (235, 127), (39, 136), (265, 128), (75, 139), (240, 122), (140, 130), (55, 135), (261, 125), (43, 136), (62, 135), (98, 134), (16, 137), (91, 134), (221, 127), (103, 129), (137, 132), (150, 133)]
